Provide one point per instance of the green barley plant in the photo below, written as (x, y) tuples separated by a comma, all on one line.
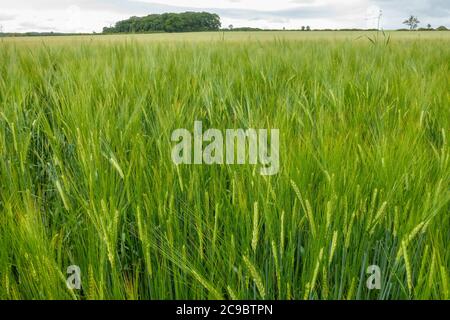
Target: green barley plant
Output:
[(87, 179)]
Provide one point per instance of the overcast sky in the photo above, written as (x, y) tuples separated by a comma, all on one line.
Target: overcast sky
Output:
[(93, 15)]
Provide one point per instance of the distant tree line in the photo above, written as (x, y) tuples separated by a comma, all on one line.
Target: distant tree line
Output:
[(168, 22), (413, 22), (429, 28), (42, 34), (232, 28)]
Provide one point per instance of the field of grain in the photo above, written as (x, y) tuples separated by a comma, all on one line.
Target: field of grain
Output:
[(87, 179)]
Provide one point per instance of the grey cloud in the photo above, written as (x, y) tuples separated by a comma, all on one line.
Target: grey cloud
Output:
[(302, 1), (143, 8), (290, 14), (6, 17), (29, 25), (130, 7), (430, 8), (435, 12)]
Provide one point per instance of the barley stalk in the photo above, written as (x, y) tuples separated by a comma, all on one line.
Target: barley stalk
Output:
[(232, 294), (351, 291), (116, 166), (444, 282), (207, 285), (432, 270), (255, 233), (277, 267), (316, 271), (310, 216), (256, 277), (333, 247), (62, 194), (328, 214), (325, 290), (408, 266), (282, 236)]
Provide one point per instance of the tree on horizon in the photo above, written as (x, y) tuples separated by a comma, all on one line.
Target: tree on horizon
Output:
[(412, 22)]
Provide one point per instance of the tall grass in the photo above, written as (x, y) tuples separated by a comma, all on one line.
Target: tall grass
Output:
[(87, 178)]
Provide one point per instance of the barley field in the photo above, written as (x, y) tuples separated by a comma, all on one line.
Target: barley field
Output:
[(87, 179)]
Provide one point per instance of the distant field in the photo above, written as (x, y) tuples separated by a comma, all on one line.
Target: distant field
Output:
[(240, 36), (87, 177)]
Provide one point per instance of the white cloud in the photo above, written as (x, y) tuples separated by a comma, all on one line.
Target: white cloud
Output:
[(237, 4)]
